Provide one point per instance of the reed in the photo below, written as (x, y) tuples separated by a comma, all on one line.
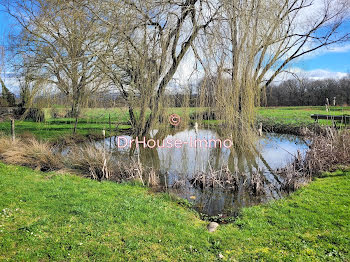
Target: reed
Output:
[(327, 153), (91, 161)]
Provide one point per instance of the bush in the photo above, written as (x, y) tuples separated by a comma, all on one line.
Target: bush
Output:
[(92, 161), (327, 153), (34, 114)]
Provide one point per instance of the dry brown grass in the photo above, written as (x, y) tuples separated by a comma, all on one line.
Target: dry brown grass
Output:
[(26, 136), (222, 178), (91, 161), (295, 175), (5, 144), (88, 160), (227, 180), (99, 164), (329, 151), (31, 153)]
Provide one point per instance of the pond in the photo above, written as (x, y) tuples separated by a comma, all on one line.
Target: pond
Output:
[(178, 164)]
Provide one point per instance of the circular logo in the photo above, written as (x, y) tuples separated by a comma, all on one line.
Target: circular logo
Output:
[(174, 119)]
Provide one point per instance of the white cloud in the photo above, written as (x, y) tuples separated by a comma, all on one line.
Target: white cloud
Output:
[(325, 50), (311, 15), (12, 83), (339, 49), (189, 70), (316, 74), (323, 74)]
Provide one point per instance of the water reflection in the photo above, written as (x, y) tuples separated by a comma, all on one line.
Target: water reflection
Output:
[(181, 163)]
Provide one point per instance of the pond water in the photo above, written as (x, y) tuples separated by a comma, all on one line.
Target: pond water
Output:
[(180, 163)]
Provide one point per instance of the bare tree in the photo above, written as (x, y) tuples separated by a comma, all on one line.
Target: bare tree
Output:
[(139, 45), (58, 44), (145, 48)]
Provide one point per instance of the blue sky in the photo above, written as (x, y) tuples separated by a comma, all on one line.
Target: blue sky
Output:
[(332, 62), (4, 24), (333, 58)]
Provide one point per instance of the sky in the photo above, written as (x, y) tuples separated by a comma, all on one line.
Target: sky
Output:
[(331, 62)]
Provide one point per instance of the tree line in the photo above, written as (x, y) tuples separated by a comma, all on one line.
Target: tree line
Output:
[(309, 93), (293, 92), (135, 48)]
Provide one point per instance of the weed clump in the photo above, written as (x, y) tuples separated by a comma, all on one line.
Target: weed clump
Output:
[(88, 159), (326, 153), (91, 161), (31, 153), (97, 163)]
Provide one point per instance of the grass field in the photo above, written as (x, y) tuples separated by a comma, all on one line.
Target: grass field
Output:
[(50, 216), (299, 115), (95, 119), (93, 122)]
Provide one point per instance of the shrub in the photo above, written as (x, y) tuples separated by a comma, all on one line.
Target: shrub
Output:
[(327, 153)]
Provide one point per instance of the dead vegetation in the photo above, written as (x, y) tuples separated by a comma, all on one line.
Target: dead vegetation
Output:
[(100, 164), (91, 161), (31, 153), (233, 181), (327, 152), (222, 178), (88, 160), (295, 174)]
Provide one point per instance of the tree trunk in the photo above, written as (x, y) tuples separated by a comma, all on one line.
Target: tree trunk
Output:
[(75, 111)]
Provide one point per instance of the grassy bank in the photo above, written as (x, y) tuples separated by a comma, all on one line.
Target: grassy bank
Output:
[(291, 119), (50, 216), (300, 114), (51, 131)]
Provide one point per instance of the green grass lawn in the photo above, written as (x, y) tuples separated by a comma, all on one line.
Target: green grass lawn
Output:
[(50, 216), (299, 116), (94, 120), (51, 130)]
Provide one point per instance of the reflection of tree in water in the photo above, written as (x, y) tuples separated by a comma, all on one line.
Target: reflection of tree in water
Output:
[(244, 160)]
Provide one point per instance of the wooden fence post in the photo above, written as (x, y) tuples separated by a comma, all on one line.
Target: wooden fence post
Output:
[(13, 129), (110, 131), (260, 129)]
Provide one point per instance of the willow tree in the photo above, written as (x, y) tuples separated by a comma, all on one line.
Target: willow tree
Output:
[(255, 40), (58, 41), (146, 41)]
